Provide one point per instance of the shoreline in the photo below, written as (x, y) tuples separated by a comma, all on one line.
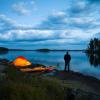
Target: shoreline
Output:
[(75, 77)]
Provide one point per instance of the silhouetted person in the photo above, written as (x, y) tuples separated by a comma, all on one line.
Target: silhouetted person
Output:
[(67, 59)]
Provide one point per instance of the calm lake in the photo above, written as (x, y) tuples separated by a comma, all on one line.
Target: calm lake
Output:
[(79, 63)]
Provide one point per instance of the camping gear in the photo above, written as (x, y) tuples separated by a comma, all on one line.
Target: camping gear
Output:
[(36, 69), (21, 62), (26, 66)]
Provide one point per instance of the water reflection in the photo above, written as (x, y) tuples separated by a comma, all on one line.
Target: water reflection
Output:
[(3, 52), (94, 59)]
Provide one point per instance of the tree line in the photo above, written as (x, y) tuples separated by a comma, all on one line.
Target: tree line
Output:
[(94, 46)]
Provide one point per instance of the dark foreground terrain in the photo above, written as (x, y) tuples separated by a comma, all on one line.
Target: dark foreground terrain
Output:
[(15, 85)]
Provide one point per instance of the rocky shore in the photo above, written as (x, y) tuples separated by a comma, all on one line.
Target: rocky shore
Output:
[(78, 80)]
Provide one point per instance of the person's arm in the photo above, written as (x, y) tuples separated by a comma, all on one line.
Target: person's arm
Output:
[(64, 57), (69, 57)]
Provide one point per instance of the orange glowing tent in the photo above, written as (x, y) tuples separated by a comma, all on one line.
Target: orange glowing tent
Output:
[(21, 62)]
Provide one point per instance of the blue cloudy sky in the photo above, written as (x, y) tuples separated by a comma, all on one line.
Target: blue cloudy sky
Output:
[(55, 24)]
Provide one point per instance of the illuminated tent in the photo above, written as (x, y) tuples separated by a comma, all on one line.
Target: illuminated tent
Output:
[(21, 62)]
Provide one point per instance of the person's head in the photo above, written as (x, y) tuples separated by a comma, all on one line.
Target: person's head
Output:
[(67, 53)]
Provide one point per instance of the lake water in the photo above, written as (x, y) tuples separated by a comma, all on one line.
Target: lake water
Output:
[(79, 63)]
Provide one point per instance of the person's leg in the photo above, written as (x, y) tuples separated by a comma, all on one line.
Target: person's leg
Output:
[(65, 66), (68, 67)]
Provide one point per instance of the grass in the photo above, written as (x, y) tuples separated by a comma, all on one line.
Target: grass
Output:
[(19, 86)]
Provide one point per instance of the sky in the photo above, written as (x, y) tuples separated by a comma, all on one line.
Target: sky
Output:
[(53, 24)]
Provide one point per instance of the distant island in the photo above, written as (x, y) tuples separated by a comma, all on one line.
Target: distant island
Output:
[(43, 50), (2, 49), (48, 50)]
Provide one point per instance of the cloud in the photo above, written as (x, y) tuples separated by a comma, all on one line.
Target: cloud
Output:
[(58, 13), (94, 1), (43, 36), (83, 16), (24, 8), (6, 23), (4, 18), (20, 9), (76, 25), (21, 35)]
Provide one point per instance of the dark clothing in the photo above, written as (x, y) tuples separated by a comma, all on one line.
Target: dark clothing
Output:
[(67, 59)]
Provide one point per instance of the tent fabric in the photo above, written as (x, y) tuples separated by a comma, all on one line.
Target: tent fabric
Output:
[(21, 62)]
